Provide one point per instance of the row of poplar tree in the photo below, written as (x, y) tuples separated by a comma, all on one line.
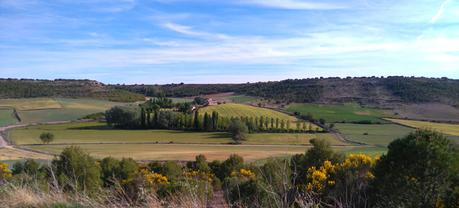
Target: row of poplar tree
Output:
[(168, 119)]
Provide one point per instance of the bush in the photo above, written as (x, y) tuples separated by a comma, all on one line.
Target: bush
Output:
[(77, 171), (417, 171), (238, 130), (46, 137)]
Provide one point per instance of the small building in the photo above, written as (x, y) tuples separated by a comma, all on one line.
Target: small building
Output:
[(211, 101)]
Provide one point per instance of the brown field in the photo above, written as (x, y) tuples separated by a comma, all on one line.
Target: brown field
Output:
[(181, 151), (428, 111), (18, 154)]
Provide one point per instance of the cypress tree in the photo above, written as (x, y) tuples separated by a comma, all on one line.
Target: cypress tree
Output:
[(277, 123), (196, 123), (149, 118), (142, 117)]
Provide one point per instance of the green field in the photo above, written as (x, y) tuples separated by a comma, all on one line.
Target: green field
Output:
[(36, 110), (101, 141), (242, 98), (450, 129), (238, 110), (372, 151), (338, 113), (7, 117), (92, 132), (377, 134), (181, 100)]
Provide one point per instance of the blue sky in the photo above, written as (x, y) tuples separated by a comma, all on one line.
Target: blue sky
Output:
[(216, 41)]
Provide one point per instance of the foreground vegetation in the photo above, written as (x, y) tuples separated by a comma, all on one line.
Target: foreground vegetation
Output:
[(419, 170)]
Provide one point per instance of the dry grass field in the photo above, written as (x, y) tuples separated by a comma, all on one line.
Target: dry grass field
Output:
[(450, 129), (181, 151)]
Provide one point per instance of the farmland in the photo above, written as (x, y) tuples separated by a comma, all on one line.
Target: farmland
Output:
[(239, 110), (180, 151), (36, 110), (374, 134), (7, 116), (349, 112), (101, 140), (242, 98), (450, 129), (98, 133), (18, 154)]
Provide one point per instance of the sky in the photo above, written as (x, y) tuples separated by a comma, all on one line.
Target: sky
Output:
[(227, 41)]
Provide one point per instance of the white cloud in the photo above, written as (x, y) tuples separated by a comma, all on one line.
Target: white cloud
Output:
[(295, 4), (440, 12), (186, 30)]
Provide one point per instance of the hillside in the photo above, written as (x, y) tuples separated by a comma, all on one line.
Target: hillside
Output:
[(29, 88), (365, 90), (374, 91), (240, 110)]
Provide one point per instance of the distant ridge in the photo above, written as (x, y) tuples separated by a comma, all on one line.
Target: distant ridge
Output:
[(365, 90), (378, 91), (70, 88)]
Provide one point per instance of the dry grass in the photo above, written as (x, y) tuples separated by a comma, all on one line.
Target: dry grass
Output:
[(451, 129), (31, 103), (181, 151), (18, 154)]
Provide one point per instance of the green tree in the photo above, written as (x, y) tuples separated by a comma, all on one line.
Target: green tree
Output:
[(196, 121), (46, 137), (238, 130), (77, 171), (417, 171), (109, 170)]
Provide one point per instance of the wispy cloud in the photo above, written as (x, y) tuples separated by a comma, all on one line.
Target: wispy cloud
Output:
[(296, 4), (439, 13), (187, 30)]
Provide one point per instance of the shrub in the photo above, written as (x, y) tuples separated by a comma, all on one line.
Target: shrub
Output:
[(46, 137), (5, 173), (238, 130), (77, 171), (417, 171)]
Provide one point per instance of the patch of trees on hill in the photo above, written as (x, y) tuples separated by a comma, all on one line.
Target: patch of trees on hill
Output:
[(29, 88), (366, 90)]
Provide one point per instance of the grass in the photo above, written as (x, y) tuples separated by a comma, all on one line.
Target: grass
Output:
[(371, 151), (36, 110), (450, 129), (238, 110), (7, 117), (349, 112), (242, 98), (374, 134), (181, 100), (93, 132), (181, 151)]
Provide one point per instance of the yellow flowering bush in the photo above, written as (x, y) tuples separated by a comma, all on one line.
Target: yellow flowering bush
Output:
[(320, 178), (198, 175), (5, 172), (243, 173), (358, 165), (153, 178), (354, 167)]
